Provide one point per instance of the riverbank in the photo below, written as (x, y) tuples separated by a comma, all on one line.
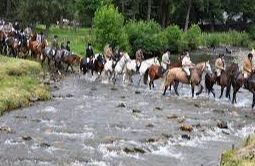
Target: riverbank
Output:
[(242, 156), (20, 83)]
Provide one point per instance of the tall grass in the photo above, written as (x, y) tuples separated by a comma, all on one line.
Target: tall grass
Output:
[(20, 81)]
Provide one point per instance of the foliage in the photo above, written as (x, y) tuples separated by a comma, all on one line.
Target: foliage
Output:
[(108, 27), (173, 37), (144, 35), (193, 36)]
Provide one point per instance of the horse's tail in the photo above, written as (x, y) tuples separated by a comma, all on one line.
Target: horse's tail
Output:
[(145, 76)]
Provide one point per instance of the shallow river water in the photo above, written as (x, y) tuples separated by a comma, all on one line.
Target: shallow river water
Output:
[(91, 123)]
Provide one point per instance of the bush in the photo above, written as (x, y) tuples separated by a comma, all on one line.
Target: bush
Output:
[(172, 38), (193, 36), (144, 35), (107, 24), (251, 32)]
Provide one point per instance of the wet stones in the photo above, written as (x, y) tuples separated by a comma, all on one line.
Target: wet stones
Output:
[(137, 92), (121, 105), (158, 109), (172, 116), (44, 145), (6, 129), (136, 111), (26, 138), (149, 125), (186, 127), (185, 136), (222, 125), (20, 117), (114, 89), (134, 150), (69, 95)]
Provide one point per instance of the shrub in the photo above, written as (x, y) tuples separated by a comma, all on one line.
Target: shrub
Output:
[(172, 38), (108, 27), (144, 35), (193, 36), (251, 32)]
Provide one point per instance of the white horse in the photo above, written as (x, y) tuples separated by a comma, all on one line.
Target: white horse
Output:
[(112, 68), (119, 68), (145, 65), (129, 70)]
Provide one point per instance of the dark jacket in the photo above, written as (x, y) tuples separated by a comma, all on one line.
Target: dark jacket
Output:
[(89, 52)]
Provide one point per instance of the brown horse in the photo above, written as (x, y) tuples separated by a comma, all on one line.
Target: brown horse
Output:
[(237, 81), (177, 74), (70, 60), (155, 72), (35, 47)]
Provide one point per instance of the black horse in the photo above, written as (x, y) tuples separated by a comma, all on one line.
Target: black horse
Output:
[(96, 64)]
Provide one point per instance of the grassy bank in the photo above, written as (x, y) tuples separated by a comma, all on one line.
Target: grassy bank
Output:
[(243, 156), (20, 83)]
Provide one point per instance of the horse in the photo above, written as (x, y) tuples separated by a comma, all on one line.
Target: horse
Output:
[(145, 65), (97, 64), (119, 68), (250, 85), (36, 47), (237, 81), (129, 70), (70, 60), (225, 78), (210, 80), (177, 74), (49, 54), (155, 72), (152, 73)]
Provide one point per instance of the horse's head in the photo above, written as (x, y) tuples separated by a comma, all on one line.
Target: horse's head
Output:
[(204, 67), (124, 57)]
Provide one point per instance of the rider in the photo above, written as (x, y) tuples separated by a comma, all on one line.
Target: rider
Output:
[(220, 66), (165, 62), (39, 37), (54, 43), (138, 58), (67, 46), (89, 53), (248, 66), (187, 65), (62, 46)]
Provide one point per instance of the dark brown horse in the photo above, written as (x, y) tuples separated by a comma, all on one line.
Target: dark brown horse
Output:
[(226, 77), (237, 82), (96, 65), (210, 80), (250, 85)]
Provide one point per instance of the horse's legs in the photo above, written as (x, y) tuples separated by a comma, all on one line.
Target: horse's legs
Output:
[(200, 91), (72, 68), (67, 67), (192, 90), (176, 84), (253, 101), (213, 92), (221, 91), (228, 90), (153, 84), (164, 93)]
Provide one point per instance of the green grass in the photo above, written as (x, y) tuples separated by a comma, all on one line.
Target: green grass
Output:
[(243, 156), (20, 81), (79, 38)]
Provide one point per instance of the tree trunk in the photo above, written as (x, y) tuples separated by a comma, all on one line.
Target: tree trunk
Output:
[(187, 17), (8, 8), (123, 6), (149, 10)]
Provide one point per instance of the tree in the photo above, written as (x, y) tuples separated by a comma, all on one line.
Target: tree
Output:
[(108, 27)]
